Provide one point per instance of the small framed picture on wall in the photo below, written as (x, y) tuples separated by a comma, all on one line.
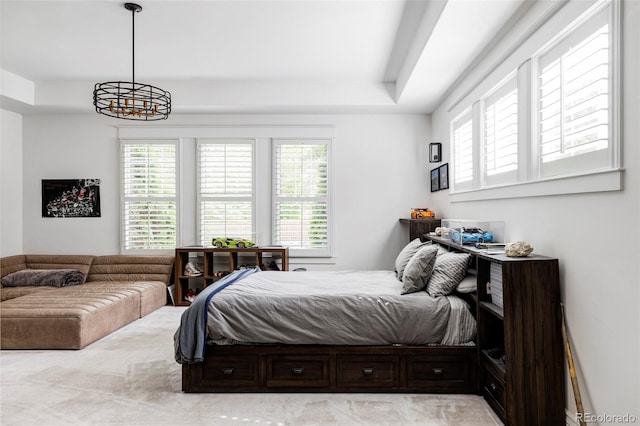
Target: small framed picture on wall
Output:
[(435, 179), (435, 152), (443, 175)]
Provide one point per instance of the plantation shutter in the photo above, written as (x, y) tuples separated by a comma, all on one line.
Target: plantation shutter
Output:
[(149, 195), (301, 202), (574, 101), (226, 189), (462, 136), (501, 134)]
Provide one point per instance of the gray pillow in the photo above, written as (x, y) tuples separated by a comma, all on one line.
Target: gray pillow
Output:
[(419, 269), (406, 254), (448, 272), (44, 277)]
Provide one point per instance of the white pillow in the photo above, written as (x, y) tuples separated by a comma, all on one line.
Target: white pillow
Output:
[(442, 250), (468, 284), (419, 269), (406, 254)]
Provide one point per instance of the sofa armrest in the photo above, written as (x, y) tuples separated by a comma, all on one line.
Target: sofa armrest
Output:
[(11, 264)]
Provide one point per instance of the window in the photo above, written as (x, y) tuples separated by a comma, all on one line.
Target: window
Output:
[(301, 202), (573, 100), (149, 195), (462, 137), (500, 136), (269, 184), (551, 126), (226, 189)]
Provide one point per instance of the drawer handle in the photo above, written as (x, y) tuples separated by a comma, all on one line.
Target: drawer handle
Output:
[(297, 371), (227, 371), (437, 371), (493, 386), (367, 371)]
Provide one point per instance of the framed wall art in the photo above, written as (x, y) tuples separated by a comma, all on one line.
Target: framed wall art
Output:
[(435, 152), (443, 175), (435, 179), (70, 197)]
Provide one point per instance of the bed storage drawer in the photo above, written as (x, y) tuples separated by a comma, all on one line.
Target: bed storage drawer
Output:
[(493, 392), (441, 373), (298, 370), (318, 368), (367, 371), (233, 371)]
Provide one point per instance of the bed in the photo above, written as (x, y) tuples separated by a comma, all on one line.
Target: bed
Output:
[(331, 331)]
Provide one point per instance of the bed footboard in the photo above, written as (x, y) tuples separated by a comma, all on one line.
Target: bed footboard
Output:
[(320, 368)]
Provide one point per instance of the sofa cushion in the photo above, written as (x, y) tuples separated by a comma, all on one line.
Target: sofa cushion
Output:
[(65, 318), (59, 261), (8, 293), (131, 268), (153, 294)]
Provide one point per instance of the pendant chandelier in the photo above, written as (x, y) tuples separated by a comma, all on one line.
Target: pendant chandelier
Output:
[(129, 100)]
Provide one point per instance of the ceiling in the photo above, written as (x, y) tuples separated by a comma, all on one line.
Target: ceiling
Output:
[(248, 56)]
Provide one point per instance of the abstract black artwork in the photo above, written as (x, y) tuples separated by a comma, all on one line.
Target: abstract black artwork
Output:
[(71, 198)]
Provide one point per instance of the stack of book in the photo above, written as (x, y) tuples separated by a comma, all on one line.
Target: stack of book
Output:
[(492, 248), (495, 277)]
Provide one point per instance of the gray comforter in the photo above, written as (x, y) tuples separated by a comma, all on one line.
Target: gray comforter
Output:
[(334, 308)]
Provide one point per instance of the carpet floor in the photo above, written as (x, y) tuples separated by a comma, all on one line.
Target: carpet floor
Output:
[(130, 378)]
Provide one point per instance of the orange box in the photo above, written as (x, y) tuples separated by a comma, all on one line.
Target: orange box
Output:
[(421, 213)]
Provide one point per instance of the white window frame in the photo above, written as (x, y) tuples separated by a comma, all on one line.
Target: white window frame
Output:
[(530, 182), (328, 199), (466, 118), (188, 206), (492, 98), (124, 198), (200, 198), (587, 162)]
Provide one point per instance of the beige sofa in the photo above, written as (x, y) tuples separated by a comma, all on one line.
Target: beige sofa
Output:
[(118, 290)]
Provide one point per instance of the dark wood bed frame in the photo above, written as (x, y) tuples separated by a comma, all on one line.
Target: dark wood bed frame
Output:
[(526, 388), (323, 368), (327, 368)]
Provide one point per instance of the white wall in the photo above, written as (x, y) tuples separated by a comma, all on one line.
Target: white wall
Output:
[(380, 173), (10, 183), (596, 237)]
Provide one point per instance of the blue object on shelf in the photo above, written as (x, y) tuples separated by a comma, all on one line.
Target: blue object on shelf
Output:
[(470, 236)]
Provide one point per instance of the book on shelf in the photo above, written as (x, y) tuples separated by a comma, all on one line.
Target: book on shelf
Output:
[(494, 246)]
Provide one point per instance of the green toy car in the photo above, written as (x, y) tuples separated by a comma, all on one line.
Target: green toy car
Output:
[(232, 243)]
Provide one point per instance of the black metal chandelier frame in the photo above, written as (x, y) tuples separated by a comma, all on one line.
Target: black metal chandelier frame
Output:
[(129, 100)]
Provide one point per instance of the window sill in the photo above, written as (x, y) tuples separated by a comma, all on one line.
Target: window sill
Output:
[(293, 260), (609, 180)]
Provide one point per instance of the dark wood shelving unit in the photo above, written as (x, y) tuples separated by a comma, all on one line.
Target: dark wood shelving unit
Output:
[(214, 260), (419, 227), (528, 387)]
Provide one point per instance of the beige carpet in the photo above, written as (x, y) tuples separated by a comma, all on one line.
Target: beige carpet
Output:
[(130, 378)]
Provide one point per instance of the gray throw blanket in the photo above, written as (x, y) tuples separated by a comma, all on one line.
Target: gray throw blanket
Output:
[(44, 277), (190, 338)]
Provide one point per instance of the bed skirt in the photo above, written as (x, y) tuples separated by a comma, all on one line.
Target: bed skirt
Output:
[(323, 368)]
